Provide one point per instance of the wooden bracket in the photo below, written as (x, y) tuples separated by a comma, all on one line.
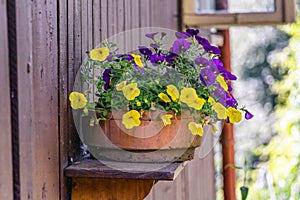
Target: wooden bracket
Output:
[(92, 179)]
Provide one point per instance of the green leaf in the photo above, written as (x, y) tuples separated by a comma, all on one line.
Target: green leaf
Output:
[(244, 192)]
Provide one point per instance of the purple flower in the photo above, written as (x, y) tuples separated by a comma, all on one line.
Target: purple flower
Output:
[(212, 49), (204, 42), (127, 57), (182, 35), (230, 101), (106, 75), (226, 74), (220, 95), (156, 59), (106, 86), (207, 76), (248, 115), (145, 51), (202, 62), (151, 35), (171, 57), (179, 45), (192, 31), (154, 46)]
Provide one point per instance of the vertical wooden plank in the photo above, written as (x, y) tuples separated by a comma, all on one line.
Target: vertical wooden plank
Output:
[(104, 20), (145, 19), (6, 190), (45, 165), (120, 25), (127, 22), (84, 28), (96, 23), (64, 134), (26, 116)]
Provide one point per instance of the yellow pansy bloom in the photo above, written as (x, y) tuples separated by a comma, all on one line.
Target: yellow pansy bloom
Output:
[(196, 129), (99, 54), (188, 95), (131, 91), (166, 119), (220, 79), (131, 119), (78, 100), (120, 86), (164, 97), (137, 60), (173, 92), (234, 115), (220, 110), (138, 103), (211, 100), (197, 103)]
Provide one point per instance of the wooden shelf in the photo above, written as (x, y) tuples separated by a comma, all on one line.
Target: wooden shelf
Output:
[(91, 168), (92, 179)]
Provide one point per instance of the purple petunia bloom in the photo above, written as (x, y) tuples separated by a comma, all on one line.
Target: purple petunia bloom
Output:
[(182, 35), (156, 59), (192, 31), (226, 74), (230, 101), (106, 86), (248, 115), (106, 75), (207, 76), (220, 95), (171, 57), (154, 46), (212, 49), (127, 57), (202, 62), (202, 41), (145, 51), (151, 35), (179, 45)]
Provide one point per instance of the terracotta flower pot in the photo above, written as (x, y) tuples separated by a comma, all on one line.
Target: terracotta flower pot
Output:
[(149, 142)]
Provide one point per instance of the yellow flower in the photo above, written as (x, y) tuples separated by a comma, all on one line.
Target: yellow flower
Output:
[(220, 79), (166, 119), (197, 103), (138, 103), (234, 115), (214, 128), (99, 54), (77, 100), (131, 91), (92, 122), (137, 60), (211, 100), (173, 92), (120, 86), (196, 129), (131, 119), (220, 110), (188, 95), (164, 97), (85, 111)]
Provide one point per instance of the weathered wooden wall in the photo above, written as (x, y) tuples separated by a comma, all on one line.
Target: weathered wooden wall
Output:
[(6, 191), (52, 38)]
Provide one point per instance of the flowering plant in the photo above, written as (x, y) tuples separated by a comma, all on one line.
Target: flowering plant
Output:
[(189, 76)]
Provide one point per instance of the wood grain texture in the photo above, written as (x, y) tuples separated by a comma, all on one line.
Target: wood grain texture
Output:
[(44, 143), (91, 168), (6, 190), (112, 189)]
